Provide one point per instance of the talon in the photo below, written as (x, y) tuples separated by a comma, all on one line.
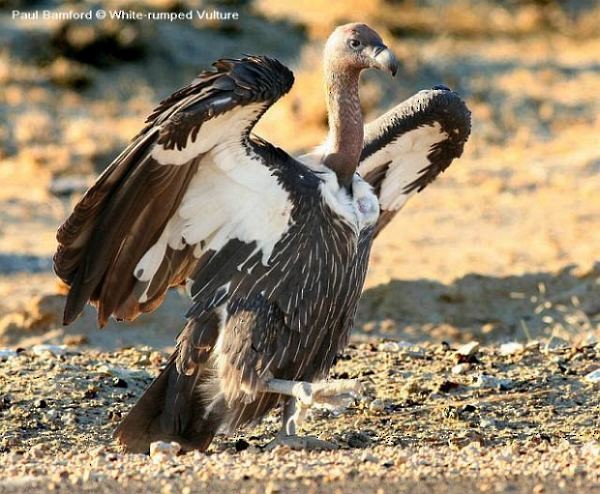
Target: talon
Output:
[(303, 392)]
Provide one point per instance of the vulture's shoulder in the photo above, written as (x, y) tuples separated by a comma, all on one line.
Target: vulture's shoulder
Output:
[(293, 174)]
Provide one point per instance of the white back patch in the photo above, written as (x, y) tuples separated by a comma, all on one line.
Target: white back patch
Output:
[(232, 196)]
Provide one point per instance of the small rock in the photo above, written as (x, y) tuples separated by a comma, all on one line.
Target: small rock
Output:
[(485, 423), (272, 488), (556, 344), (5, 402), (37, 451), (511, 348), (241, 445), (539, 489), (161, 452), (593, 377), (91, 392), (490, 382), (591, 449), (387, 325), (7, 353), (69, 419), (119, 382), (156, 359), (469, 349), (366, 457), (461, 368), (416, 352), (76, 340), (447, 386), (394, 346), (358, 440), (56, 350), (377, 406), (41, 403), (533, 345), (590, 340)]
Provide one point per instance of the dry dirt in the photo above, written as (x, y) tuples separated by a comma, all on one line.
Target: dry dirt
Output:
[(502, 248), (431, 415)]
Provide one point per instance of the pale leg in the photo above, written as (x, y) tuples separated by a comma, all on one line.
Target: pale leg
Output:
[(301, 393), (333, 393)]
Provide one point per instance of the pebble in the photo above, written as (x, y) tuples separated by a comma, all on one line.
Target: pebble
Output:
[(394, 346), (487, 423), (162, 452), (590, 340), (7, 353), (556, 344), (121, 372), (56, 350), (593, 377), (591, 449), (69, 419), (461, 368), (377, 406), (387, 439), (366, 457), (511, 348), (119, 382), (491, 382), (468, 349), (37, 451)]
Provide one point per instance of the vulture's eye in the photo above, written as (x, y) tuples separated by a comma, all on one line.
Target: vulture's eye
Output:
[(354, 44)]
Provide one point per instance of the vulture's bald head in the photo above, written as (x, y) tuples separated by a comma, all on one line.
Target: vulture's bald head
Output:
[(355, 47)]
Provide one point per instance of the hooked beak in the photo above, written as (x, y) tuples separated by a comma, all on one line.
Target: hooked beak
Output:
[(384, 59)]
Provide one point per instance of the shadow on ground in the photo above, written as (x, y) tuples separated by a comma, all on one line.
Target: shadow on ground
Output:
[(18, 263), (486, 308)]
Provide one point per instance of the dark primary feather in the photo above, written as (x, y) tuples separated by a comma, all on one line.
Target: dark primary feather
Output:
[(125, 211), (438, 105)]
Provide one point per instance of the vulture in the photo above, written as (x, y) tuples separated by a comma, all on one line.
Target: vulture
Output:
[(273, 249)]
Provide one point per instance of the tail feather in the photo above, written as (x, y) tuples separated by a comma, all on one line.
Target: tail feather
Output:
[(172, 409)]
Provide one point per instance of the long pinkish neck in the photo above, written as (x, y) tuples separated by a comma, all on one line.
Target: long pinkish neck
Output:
[(345, 139)]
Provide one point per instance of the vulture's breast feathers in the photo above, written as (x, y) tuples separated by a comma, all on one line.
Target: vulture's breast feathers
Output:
[(358, 206)]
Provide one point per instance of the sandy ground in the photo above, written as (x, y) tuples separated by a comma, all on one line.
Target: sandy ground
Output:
[(431, 415), (503, 247)]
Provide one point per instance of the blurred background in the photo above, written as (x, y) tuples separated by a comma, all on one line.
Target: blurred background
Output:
[(504, 246)]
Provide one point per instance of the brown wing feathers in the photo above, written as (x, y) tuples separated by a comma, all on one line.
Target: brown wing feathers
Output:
[(436, 106), (126, 210)]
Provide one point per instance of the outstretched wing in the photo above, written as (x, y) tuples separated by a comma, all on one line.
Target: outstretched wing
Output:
[(409, 146), (190, 181)]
